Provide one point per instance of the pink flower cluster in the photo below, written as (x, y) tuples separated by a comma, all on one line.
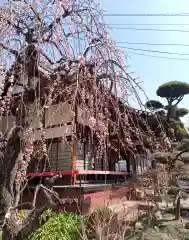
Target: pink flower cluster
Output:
[(3, 142), (24, 161), (5, 101)]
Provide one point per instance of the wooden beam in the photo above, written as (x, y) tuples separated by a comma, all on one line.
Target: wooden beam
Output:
[(132, 160)]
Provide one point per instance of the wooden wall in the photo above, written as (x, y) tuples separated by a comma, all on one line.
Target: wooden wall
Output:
[(58, 114), (60, 156), (57, 124), (83, 156), (80, 163), (88, 156)]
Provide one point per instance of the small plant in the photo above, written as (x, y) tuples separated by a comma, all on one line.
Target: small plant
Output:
[(22, 214), (64, 226), (46, 215), (100, 215), (98, 223)]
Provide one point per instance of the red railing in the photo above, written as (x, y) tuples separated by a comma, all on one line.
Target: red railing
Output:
[(75, 172)]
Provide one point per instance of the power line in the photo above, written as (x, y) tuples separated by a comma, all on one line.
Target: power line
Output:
[(153, 56), (148, 24), (151, 29), (155, 51), (155, 44), (147, 14)]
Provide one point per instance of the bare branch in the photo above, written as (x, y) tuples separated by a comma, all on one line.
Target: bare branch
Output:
[(9, 49)]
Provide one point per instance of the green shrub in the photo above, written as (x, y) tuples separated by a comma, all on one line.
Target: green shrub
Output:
[(187, 225), (184, 177), (162, 157), (179, 165), (64, 226), (172, 191), (180, 131), (185, 157), (184, 145)]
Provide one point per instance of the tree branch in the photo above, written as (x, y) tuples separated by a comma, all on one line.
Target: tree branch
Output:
[(178, 100), (93, 44), (65, 14), (15, 52), (180, 153), (48, 59)]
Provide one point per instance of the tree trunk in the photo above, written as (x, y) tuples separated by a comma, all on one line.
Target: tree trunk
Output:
[(10, 167), (169, 111), (7, 235), (177, 209), (15, 230), (8, 171)]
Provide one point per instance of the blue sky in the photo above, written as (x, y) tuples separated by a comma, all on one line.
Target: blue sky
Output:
[(153, 71)]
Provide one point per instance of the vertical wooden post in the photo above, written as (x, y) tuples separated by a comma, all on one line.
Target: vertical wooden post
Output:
[(133, 162), (74, 159), (84, 153), (57, 154), (74, 141)]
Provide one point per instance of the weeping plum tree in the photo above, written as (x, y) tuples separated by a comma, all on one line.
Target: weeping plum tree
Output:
[(174, 93), (51, 52)]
